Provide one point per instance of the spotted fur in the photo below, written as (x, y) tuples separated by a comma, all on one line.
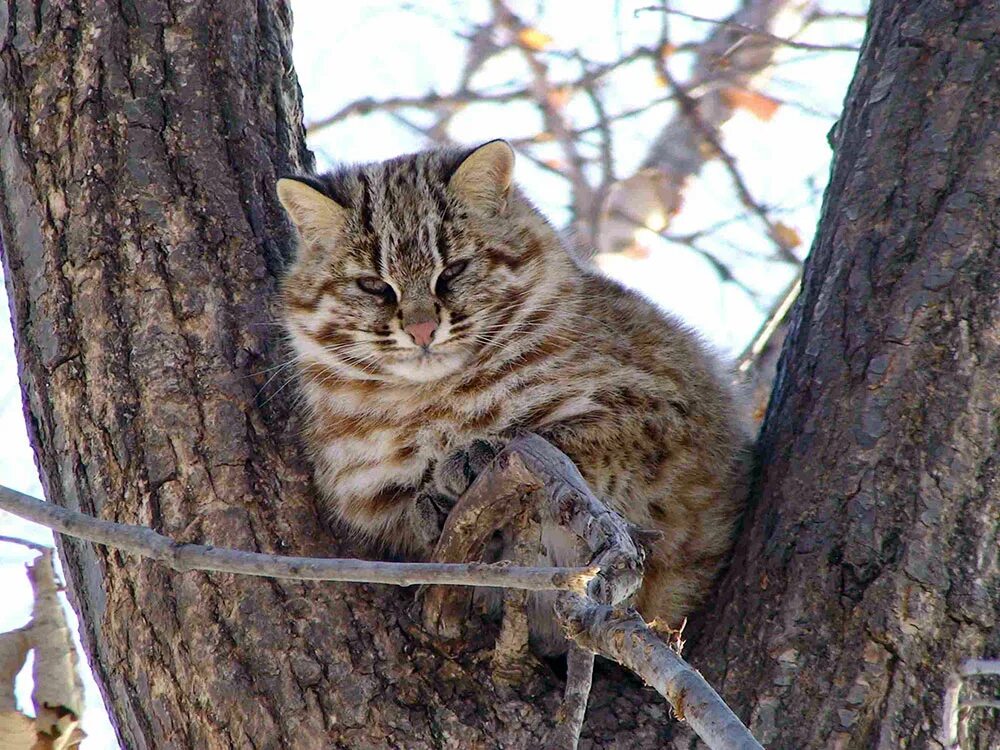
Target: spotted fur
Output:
[(526, 337)]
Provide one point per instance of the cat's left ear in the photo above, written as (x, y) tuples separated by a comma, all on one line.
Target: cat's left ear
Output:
[(484, 176)]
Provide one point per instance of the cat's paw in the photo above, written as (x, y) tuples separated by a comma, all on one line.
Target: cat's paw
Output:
[(425, 517), (456, 472)]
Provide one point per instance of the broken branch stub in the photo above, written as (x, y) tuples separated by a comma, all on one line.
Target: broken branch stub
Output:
[(57, 694)]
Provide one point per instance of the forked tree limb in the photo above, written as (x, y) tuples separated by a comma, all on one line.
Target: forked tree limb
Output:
[(594, 621)]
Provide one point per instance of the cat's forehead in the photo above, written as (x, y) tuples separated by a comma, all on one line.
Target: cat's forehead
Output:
[(404, 206)]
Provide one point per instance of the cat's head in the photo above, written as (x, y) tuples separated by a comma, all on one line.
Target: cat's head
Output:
[(416, 268)]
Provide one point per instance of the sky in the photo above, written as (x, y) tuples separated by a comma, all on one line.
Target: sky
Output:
[(345, 51)]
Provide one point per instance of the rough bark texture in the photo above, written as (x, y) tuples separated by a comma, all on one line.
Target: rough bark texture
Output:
[(139, 143), (869, 565)]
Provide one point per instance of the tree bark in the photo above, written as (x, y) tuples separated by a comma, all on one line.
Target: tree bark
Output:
[(139, 145), (868, 568)]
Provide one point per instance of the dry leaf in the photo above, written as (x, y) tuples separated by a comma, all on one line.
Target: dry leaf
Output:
[(543, 137), (667, 49), (636, 250), (661, 82), (707, 150), (534, 39), (759, 105), (785, 236), (559, 98), (557, 164)]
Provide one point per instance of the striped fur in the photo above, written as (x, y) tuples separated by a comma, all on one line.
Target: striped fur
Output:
[(527, 338)]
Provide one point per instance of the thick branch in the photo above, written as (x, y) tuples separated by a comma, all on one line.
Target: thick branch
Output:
[(622, 636), (184, 557)]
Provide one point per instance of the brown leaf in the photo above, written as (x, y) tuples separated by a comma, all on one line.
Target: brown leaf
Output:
[(759, 105), (786, 236), (559, 98), (534, 39), (707, 150)]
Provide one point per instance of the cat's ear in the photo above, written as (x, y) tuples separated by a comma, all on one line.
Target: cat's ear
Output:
[(314, 215), (484, 176)]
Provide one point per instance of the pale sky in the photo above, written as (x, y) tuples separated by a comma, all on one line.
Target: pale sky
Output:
[(345, 51)]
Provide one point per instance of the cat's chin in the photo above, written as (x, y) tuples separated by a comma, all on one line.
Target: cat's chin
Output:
[(425, 368)]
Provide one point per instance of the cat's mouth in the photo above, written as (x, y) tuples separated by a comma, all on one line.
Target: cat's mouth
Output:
[(426, 364)]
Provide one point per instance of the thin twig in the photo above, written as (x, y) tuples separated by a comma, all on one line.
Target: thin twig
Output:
[(25, 543), (185, 557)]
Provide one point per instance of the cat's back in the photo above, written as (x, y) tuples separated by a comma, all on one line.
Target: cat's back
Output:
[(641, 342)]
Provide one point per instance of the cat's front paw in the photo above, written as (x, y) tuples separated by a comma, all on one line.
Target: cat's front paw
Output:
[(426, 517), (454, 475)]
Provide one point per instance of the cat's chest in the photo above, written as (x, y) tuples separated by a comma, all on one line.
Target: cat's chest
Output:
[(433, 422)]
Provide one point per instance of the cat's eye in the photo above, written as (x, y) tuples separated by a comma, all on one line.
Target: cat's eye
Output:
[(450, 272), (379, 288)]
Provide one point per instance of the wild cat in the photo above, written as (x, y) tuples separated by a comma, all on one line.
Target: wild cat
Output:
[(434, 312)]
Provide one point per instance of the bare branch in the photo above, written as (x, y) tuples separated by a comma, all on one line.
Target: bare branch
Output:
[(710, 135), (584, 198), (758, 364), (143, 541), (979, 666), (579, 677), (25, 543), (731, 24), (725, 60), (431, 100)]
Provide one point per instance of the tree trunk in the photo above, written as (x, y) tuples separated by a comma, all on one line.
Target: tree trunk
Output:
[(139, 145), (869, 563)]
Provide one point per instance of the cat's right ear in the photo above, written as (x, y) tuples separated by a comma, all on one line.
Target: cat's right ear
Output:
[(484, 176), (314, 215)]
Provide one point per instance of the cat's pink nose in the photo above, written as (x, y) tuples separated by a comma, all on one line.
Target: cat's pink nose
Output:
[(422, 332)]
